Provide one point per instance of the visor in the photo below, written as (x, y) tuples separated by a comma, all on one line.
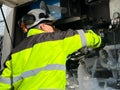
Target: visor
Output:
[(33, 19), (27, 20)]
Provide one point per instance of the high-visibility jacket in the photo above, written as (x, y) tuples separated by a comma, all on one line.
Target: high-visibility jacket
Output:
[(38, 62)]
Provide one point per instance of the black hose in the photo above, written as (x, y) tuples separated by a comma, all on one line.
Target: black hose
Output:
[(0, 5)]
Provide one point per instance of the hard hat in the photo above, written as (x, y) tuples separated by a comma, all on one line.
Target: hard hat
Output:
[(34, 17)]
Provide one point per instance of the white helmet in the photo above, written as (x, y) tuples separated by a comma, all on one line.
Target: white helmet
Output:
[(36, 16)]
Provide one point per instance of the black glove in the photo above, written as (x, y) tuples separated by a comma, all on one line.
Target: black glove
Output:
[(103, 44), (104, 41)]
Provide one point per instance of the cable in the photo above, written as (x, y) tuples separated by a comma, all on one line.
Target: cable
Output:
[(0, 5), (114, 39)]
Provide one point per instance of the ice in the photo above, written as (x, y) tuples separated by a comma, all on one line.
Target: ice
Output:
[(86, 82), (94, 68)]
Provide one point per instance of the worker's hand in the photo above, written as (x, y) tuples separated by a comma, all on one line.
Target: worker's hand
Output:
[(103, 43)]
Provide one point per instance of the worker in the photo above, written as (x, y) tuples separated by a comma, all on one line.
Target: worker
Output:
[(38, 62)]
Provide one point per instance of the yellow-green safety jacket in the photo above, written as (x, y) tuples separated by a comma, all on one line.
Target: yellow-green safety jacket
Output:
[(38, 62)]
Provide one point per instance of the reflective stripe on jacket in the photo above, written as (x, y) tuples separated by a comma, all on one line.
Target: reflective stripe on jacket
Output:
[(38, 62)]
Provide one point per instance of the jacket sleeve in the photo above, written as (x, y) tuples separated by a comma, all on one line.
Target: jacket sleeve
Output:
[(10, 75), (74, 40), (80, 39), (5, 77)]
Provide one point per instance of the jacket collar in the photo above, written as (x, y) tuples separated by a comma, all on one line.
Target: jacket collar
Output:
[(34, 31)]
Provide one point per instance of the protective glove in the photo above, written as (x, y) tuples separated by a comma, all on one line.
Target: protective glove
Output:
[(104, 41)]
